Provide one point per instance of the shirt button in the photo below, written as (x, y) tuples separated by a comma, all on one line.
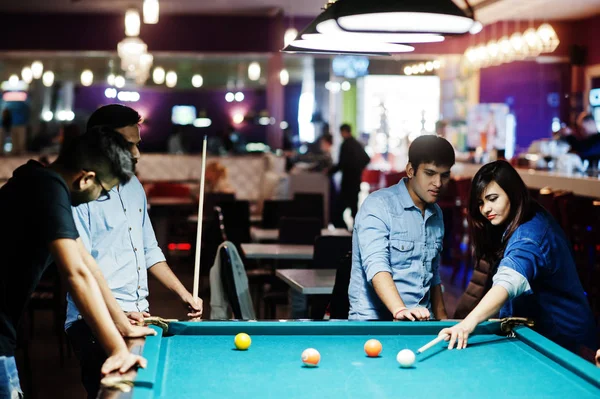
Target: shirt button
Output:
[(139, 268), (130, 229), (139, 287), (135, 249), (79, 317), (140, 209), (124, 210)]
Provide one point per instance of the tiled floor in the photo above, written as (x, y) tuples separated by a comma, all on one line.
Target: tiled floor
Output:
[(50, 380)]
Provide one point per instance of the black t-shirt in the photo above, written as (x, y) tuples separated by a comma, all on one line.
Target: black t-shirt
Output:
[(35, 209)]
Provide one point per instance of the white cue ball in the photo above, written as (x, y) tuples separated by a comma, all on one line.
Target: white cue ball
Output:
[(406, 358)]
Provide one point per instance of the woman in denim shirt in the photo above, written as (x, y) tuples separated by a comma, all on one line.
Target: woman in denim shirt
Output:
[(536, 276)]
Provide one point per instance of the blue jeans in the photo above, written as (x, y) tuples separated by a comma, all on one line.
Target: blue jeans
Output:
[(9, 379)]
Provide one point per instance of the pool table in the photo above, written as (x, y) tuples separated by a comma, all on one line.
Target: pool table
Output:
[(199, 360)]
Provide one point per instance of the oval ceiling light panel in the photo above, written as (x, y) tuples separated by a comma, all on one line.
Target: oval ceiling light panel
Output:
[(406, 22), (406, 16), (330, 27), (332, 44)]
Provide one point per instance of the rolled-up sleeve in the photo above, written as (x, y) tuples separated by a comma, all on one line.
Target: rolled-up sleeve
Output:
[(373, 232), (152, 252), (519, 266)]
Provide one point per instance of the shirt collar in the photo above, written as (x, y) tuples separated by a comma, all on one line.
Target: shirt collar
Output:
[(405, 198), (407, 202)]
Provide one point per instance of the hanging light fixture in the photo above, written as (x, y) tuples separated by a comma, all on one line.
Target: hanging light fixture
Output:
[(325, 44), (151, 11), (533, 42), (407, 16), (27, 74), (331, 28), (197, 80), (171, 79), (290, 35), (158, 76), (132, 23), (254, 71), (506, 50), (135, 59), (326, 35), (119, 81), (48, 78), (518, 45), (482, 56), (493, 52), (548, 37), (87, 77), (37, 68), (284, 77)]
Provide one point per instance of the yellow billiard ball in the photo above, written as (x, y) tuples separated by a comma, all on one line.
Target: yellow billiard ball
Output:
[(242, 341)]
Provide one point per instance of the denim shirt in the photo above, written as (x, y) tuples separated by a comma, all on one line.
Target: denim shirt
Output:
[(554, 298), (392, 235), (119, 235)]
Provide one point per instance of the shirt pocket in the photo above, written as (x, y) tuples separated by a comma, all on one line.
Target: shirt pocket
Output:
[(402, 253)]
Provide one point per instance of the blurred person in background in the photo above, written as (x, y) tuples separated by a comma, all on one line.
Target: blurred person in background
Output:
[(353, 160), (585, 140), (217, 179)]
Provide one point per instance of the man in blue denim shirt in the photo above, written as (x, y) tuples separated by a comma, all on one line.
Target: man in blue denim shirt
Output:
[(397, 241), (119, 235)]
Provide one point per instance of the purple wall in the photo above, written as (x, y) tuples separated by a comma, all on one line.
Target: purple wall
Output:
[(588, 33), (527, 88), (102, 32), (155, 106)]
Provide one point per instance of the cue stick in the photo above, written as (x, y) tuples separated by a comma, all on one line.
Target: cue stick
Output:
[(199, 231), (433, 342)]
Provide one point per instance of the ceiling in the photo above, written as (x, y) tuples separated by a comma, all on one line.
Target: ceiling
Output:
[(488, 11), (261, 7)]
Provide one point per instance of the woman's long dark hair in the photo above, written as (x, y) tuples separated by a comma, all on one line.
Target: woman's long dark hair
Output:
[(489, 240)]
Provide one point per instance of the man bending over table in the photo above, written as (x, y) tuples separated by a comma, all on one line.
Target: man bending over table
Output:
[(397, 241), (38, 228)]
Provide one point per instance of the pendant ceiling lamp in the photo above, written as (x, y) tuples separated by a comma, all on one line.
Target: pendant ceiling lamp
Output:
[(382, 27), (312, 41), (400, 16)]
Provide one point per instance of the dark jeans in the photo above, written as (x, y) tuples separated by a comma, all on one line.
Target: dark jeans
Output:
[(345, 200), (90, 354)]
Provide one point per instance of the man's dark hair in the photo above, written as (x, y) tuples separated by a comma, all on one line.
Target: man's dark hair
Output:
[(101, 150), (114, 116), (430, 149), (328, 138), (346, 128)]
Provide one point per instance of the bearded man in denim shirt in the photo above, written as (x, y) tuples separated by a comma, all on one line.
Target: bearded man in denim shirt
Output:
[(397, 241), (118, 233)]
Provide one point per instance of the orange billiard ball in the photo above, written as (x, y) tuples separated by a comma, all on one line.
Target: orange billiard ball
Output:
[(373, 348), (311, 357)]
